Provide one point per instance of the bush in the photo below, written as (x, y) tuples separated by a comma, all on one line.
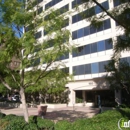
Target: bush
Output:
[(30, 126), (16, 123), (64, 125), (45, 124), (2, 115), (9, 117)]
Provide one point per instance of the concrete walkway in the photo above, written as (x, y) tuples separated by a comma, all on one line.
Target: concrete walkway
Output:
[(66, 113)]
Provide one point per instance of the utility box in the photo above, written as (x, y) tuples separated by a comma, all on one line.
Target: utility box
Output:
[(42, 110)]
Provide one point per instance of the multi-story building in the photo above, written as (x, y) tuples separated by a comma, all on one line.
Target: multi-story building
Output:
[(94, 50)]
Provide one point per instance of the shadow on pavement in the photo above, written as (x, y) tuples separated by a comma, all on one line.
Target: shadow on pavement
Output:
[(69, 115)]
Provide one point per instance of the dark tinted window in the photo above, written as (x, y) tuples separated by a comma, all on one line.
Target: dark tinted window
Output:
[(107, 24), (80, 33), (93, 47), (87, 69), (38, 34), (74, 19), (108, 44), (40, 10), (75, 70), (80, 69), (74, 35), (86, 31), (102, 66), (92, 29), (87, 49)]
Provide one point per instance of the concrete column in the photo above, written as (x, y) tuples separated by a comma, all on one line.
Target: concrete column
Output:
[(118, 97), (84, 97), (72, 98)]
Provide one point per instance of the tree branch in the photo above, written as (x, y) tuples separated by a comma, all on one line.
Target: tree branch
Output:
[(109, 14), (39, 77), (14, 79), (5, 84)]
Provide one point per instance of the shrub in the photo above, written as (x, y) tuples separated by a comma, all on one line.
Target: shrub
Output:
[(9, 117), (2, 115), (64, 125), (30, 126), (16, 123), (45, 124)]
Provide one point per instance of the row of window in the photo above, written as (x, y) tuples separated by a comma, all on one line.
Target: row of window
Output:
[(92, 68), (118, 2), (81, 32), (88, 30), (93, 48), (89, 12), (54, 27), (58, 12), (77, 2), (52, 3)]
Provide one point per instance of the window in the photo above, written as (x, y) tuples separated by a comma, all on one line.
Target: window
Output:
[(94, 68), (64, 9), (107, 24), (86, 31), (80, 33), (101, 46), (87, 69), (74, 19), (100, 28), (77, 2), (80, 69), (105, 5), (79, 17), (51, 3), (87, 49), (65, 70), (39, 1), (92, 29), (74, 35), (75, 70), (93, 47), (81, 50), (116, 2), (108, 44), (38, 34), (75, 53), (97, 9), (65, 56), (102, 66), (40, 10)]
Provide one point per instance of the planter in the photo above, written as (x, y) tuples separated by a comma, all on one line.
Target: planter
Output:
[(42, 109)]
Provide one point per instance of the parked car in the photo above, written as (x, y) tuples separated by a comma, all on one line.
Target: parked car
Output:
[(15, 98)]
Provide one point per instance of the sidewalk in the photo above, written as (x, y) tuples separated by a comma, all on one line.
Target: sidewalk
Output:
[(66, 113)]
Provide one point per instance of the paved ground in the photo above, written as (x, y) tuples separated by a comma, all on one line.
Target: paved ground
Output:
[(66, 113)]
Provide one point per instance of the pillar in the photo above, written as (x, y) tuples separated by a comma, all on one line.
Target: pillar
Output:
[(84, 97), (118, 97), (72, 98)]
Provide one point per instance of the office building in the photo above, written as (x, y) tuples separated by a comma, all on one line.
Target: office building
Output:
[(94, 50)]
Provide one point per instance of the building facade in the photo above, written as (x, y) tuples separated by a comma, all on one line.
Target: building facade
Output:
[(94, 50)]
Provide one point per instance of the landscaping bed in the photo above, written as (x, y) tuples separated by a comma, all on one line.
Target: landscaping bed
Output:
[(107, 120)]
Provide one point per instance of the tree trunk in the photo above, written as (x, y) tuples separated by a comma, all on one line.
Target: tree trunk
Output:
[(23, 100)]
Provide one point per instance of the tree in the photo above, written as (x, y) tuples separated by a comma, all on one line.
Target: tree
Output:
[(118, 76), (38, 59)]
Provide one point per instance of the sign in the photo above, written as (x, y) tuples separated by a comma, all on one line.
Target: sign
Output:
[(123, 124)]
